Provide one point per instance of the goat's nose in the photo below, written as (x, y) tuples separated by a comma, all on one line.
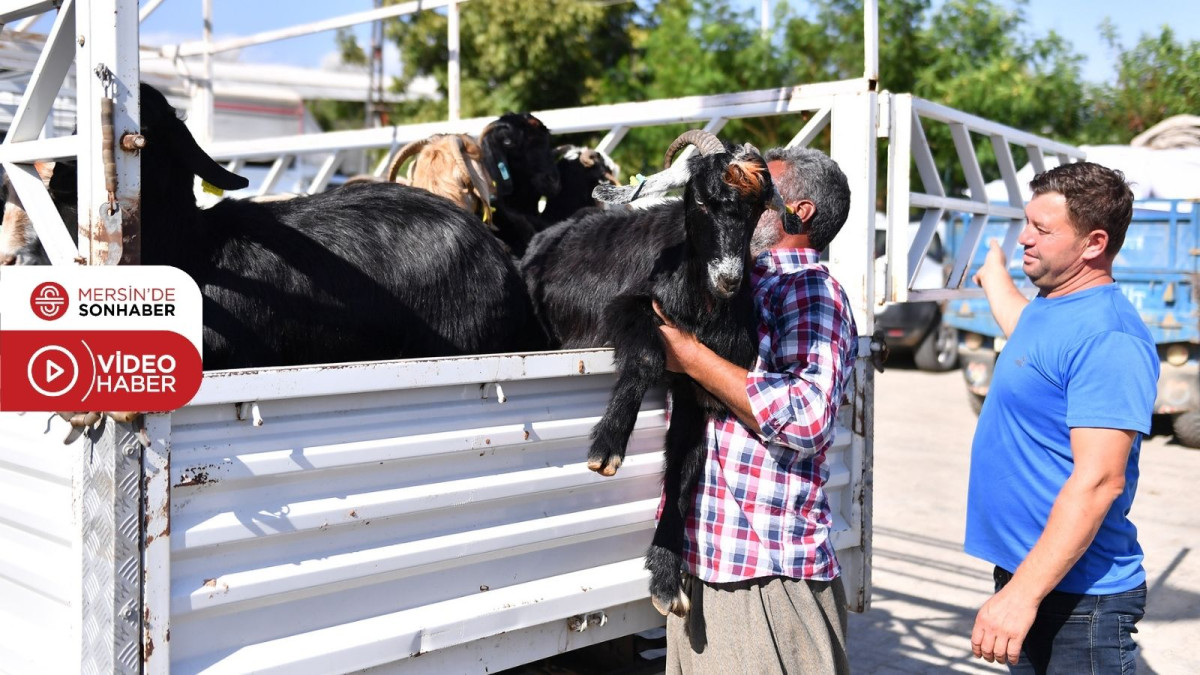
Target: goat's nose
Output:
[(727, 286), (8, 259)]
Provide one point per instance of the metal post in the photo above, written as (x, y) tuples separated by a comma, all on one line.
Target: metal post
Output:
[(871, 41), (108, 477), (202, 100), (106, 67), (452, 69), (852, 262)]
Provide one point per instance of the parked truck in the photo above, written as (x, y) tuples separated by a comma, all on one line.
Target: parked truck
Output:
[(427, 515), (1156, 269)]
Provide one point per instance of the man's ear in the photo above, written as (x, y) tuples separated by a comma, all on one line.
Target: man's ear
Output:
[(1094, 245), (804, 208)]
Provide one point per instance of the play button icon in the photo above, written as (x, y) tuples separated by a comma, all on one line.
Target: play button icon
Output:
[(52, 370)]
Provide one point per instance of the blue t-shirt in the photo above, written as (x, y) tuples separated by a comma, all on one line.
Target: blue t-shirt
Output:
[(1081, 360)]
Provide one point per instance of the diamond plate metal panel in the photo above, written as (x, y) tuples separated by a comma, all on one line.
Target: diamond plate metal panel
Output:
[(110, 497)]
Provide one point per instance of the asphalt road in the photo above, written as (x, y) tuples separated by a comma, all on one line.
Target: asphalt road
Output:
[(926, 590)]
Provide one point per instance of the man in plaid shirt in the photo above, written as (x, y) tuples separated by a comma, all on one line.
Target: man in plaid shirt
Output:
[(766, 595)]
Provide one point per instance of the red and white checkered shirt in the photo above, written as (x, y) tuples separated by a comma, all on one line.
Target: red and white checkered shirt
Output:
[(760, 507)]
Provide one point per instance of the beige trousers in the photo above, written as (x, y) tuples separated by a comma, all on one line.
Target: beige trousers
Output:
[(761, 626)]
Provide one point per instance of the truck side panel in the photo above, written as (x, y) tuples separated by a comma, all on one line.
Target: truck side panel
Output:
[(358, 529), (39, 576)]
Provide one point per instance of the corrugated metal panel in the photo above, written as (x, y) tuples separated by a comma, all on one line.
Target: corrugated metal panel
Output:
[(38, 570), (383, 519)]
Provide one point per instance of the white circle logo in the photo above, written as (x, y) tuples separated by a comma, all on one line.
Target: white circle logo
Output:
[(45, 374)]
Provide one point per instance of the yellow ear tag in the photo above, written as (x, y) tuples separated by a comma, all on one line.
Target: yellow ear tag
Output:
[(636, 179), (211, 189)]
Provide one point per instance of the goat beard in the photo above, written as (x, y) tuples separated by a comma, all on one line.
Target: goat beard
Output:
[(766, 235)]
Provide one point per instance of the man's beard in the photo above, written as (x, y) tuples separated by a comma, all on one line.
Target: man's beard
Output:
[(766, 235)]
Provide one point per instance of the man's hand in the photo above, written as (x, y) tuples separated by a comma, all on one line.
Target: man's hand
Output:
[(995, 266), (1005, 301), (1001, 626), (677, 344)]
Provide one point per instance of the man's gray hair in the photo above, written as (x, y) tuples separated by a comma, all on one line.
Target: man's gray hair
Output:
[(811, 174)]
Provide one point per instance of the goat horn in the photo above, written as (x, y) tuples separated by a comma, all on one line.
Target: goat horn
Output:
[(706, 142), (402, 156)]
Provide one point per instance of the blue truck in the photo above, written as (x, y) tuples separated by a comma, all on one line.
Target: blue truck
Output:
[(1157, 271)]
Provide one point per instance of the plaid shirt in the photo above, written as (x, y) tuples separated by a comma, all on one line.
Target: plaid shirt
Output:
[(760, 508)]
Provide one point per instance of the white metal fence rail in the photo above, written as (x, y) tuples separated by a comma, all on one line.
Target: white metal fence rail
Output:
[(910, 117)]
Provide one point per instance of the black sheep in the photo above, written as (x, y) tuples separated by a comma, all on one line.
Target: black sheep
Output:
[(593, 280)]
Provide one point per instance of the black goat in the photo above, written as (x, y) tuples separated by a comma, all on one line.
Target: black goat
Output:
[(517, 154), (364, 272), (580, 170), (593, 280)]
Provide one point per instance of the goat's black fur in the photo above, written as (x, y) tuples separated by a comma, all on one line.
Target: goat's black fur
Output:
[(580, 170), (367, 271), (592, 280), (518, 155)]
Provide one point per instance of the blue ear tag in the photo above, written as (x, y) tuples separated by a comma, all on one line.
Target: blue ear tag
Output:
[(503, 170)]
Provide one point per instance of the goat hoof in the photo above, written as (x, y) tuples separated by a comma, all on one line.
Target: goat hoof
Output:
[(679, 605), (668, 592), (605, 467)]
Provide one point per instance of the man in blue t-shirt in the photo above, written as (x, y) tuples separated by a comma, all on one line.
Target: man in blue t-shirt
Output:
[(1054, 463)]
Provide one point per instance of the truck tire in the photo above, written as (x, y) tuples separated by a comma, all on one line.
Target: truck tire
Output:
[(938, 351), (1187, 428)]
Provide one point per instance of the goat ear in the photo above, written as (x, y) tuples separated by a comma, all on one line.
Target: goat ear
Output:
[(744, 176), (204, 166), (655, 186)]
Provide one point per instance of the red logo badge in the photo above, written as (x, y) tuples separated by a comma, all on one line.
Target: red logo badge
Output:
[(49, 301), (98, 370)]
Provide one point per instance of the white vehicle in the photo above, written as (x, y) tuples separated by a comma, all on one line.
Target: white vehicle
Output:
[(415, 516)]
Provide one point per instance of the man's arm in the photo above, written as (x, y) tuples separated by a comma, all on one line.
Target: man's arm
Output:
[(1002, 294), (1101, 456), (794, 402), (725, 380)]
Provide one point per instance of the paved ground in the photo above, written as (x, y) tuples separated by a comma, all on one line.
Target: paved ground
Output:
[(926, 590)]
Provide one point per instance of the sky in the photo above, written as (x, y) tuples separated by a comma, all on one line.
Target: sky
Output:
[(1076, 20)]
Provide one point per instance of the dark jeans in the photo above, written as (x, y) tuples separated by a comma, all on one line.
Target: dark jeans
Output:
[(1075, 633)]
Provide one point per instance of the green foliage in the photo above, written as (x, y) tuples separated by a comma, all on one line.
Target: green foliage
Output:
[(1157, 78), (979, 56), (984, 61), (515, 55)]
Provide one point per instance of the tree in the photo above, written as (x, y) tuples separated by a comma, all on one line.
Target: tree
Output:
[(515, 55), (986, 61), (1157, 78)]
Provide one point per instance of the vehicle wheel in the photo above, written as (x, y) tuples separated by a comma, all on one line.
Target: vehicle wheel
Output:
[(976, 402), (1187, 428), (938, 352)]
